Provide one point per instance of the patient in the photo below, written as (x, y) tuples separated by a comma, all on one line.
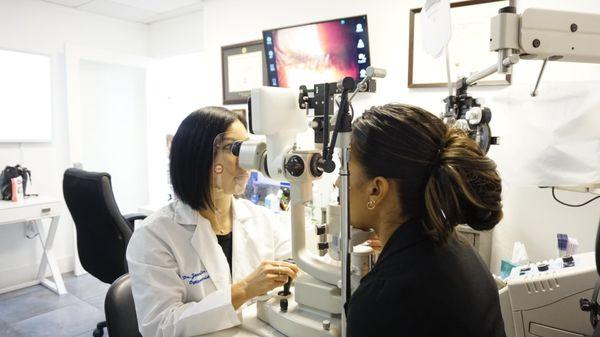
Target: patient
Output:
[(413, 181)]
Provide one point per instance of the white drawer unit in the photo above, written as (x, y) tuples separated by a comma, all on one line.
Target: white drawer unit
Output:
[(29, 209)]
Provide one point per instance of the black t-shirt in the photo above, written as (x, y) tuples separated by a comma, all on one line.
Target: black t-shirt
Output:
[(418, 288), (225, 243)]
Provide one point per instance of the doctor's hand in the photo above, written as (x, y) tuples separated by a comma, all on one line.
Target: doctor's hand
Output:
[(268, 276)]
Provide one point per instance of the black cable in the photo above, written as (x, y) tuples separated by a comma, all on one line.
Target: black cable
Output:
[(351, 108), (343, 108), (570, 205)]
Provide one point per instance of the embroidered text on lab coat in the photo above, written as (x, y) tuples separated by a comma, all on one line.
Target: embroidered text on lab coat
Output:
[(196, 278)]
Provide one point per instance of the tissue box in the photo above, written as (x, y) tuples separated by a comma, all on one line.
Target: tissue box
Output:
[(505, 268)]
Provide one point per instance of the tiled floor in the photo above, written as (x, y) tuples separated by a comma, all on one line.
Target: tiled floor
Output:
[(39, 312)]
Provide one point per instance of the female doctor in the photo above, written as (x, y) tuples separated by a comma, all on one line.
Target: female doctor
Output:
[(196, 261)]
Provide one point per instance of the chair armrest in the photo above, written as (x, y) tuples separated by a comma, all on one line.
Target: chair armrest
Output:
[(131, 217)]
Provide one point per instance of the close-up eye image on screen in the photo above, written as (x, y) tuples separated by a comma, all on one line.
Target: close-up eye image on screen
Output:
[(318, 52)]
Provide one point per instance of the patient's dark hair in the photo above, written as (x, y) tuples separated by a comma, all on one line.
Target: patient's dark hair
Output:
[(191, 156), (443, 176)]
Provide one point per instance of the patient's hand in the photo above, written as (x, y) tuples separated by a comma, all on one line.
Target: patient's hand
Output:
[(375, 243)]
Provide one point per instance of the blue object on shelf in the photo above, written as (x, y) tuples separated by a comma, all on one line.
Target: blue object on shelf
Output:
[(563, 241), (505, 268), (262, 180)]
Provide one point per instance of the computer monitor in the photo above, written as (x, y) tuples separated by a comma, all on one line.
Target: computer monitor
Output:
[(320, 52)]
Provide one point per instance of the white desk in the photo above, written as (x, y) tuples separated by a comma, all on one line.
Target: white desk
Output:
[(32, 210), (251, 327)]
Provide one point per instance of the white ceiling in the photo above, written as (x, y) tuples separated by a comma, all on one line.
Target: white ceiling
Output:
[(142, 11)]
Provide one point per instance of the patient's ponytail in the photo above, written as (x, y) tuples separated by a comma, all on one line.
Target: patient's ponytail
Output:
[(463, 188)]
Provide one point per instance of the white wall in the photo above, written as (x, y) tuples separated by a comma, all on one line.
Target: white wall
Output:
[(41, 27), (113, 109), (176, 87), (531, 215), (178, 36)]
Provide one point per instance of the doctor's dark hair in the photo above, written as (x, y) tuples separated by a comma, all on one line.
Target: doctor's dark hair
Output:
[(191, 155), (442, 175)]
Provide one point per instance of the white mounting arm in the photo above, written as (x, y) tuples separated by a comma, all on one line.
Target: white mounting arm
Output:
[(558, 36), (541, 34)]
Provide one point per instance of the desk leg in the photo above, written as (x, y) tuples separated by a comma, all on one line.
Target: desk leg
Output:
[(58, 286)]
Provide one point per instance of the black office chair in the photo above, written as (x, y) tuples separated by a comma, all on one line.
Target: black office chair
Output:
[(120, 309), (102, 232)]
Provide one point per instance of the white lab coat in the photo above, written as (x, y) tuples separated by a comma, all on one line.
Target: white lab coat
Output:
[(180, 277)]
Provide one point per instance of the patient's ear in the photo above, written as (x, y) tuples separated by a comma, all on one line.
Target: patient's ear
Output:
[(379, 189)]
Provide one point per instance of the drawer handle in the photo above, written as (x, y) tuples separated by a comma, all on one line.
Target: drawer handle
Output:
[(46, 210)]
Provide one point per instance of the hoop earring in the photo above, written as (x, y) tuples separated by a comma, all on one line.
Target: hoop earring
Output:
[(371, 205)]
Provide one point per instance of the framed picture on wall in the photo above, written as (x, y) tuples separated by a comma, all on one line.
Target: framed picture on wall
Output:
[(468, 47), (243, 68), (241, 112)]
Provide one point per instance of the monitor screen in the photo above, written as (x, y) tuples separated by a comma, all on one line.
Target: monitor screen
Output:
[(317, 52)]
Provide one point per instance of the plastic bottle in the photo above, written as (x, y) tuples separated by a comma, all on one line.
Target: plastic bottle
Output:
[(271, 202)]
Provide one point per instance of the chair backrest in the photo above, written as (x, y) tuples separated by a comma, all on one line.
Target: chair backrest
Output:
[(119, 309), (102, 232)]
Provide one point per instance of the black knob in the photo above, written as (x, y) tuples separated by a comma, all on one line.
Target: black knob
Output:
[(283, 305), (321, 229), (323, 245), (286, 288), (486, 115), (295, 166), (265, 168), (568, 261), (542, 267), (508, 9), (523, 271), (303, 97), (317, 123), (349, 83), (536, 43), (328, 165), (315, 170), (585, 304)]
